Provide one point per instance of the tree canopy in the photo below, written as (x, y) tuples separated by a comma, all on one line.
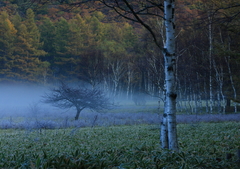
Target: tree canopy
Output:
[(42, 43)]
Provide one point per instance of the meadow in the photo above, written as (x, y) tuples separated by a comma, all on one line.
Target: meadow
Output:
[(33, 135), (202, 145)]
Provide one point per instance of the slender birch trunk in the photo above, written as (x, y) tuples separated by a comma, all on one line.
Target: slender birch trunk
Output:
[(219, 79), (129, 79), (210, 64), (227, 59), (164, 126), (170, 75), (232, 82), (206, 96)]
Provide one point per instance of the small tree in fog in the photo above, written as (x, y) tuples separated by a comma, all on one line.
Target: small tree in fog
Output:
[(80, 98)]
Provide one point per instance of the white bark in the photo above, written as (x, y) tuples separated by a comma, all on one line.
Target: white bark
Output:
[(156, 70), (232, 83), (129, 78), (164, 130), (219, 79), (210, 64), (164, 124), (227, 59), (118, 70), (170, 74), (206, 94)]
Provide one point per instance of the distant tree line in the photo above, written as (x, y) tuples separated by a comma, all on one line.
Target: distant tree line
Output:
[(54, 43)]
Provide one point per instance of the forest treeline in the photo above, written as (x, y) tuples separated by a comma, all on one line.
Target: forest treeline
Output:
[(47, 43)]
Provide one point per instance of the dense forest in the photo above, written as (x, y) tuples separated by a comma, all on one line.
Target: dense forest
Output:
[(43, 44)]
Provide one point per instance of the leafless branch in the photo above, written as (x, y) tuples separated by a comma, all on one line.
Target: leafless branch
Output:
[(80, 98)]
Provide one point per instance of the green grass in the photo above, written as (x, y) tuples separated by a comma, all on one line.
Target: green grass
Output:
[(203, 145)]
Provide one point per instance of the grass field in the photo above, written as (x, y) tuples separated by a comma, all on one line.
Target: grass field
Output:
[(202, 145), (125, 137)]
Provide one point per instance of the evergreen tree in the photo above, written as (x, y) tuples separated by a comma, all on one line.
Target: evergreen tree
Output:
[(78, 39), (62, 36), (64, 63), (91, 66), (16, 20), (25, 64), (95, 31), (33, 33), (7, 37), (48, 33)]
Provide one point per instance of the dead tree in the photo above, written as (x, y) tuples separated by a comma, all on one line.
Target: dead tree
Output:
[(67, 97)]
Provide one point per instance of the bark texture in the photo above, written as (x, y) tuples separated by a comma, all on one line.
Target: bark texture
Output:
[(170, 77)]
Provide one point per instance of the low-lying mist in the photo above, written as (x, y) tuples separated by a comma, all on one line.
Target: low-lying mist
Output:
[(21, 107), (16, 99)]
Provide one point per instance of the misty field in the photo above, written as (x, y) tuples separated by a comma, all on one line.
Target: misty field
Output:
[(204, 145), (35, 116), (21, 108), (35, 135)]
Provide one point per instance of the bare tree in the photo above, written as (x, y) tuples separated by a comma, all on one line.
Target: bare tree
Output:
[(78, 97), (140, 12)]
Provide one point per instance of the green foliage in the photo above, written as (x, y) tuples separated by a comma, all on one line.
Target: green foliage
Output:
[(33, 33), (20, 48), (7, 38), (86, 45), (79, 37), (202, 146), (73, 44), (48, 33), (62, 35)]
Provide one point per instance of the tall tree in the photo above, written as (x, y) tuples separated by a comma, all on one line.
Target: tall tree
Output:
[(115, 54), (64, 63), (170, 74), (33, 32), (7, 47), (48, 33), (78, 40), (91, 35), (26, 60)]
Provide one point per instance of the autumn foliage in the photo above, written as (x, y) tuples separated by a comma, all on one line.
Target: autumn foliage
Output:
[(42, 43)]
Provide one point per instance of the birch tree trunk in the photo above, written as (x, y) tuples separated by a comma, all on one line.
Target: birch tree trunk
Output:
[(227, 59), (164, 124), (220, 79), (210, 64), (170, 76), (118, 70), (129, 79)]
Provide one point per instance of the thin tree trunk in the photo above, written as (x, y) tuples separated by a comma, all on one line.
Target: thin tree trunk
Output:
[(170, 74), (219, 79), (206, 97), (227, 59), (196, 103), (129, 80), (232, 84), (210, 64), (185, 94), (78, 113)]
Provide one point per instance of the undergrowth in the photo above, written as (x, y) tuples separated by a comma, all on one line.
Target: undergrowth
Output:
[(202, 145)]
